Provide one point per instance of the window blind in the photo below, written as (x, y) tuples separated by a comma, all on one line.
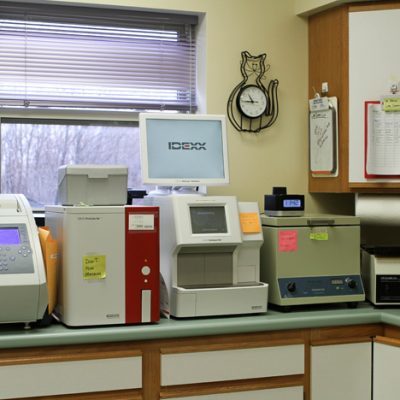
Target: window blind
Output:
[(81, 57)]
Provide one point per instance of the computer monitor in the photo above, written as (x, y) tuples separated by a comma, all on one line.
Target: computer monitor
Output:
[(183, 149)]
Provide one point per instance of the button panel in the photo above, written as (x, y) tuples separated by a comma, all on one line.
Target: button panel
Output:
[(16, 258)]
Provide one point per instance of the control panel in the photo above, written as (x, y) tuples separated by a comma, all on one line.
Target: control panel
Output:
[(338, 285), (15, 250)]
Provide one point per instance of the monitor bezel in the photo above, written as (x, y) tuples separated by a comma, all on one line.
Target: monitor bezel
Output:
[(179, 182)]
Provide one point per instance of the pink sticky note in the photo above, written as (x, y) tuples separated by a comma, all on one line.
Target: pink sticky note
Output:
[(287, 240)]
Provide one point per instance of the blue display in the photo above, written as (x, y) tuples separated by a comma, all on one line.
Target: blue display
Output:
[(291, 203), (9, 236)]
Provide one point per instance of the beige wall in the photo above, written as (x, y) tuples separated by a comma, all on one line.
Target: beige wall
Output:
[(277, 156)]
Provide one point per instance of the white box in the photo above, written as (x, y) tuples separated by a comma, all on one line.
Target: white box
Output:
[(94, 185)]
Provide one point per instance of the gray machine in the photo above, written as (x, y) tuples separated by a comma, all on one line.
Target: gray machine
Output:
[(312, 259)]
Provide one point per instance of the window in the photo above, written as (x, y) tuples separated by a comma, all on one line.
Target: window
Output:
[(91, 60), (32, 151), (79, 57)]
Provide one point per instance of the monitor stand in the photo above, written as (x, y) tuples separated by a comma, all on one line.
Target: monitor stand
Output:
[(175, 190), (161, 191), (186, 190)]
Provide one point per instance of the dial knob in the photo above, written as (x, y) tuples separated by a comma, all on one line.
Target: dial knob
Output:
[(351, 283), (291, 287)]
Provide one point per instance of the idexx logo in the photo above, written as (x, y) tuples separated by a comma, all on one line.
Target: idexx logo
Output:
[(186, 146)]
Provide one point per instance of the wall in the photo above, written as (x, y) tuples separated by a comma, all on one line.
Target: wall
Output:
[(279, 155), (309, 7)]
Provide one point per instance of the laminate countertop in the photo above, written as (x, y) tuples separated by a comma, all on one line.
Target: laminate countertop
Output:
[(15, 336)]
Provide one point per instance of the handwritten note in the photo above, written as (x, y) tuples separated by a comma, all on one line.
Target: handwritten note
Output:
[(250, 223), (94, 267), (322, 141), (287, 240), (391, 104)]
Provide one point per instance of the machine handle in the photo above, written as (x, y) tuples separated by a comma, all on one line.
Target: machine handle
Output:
[(320, 222)]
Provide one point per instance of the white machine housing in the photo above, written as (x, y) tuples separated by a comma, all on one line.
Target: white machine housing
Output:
[(105, 298), (381, 278), (209, 273), (23, 288), (85, 302)]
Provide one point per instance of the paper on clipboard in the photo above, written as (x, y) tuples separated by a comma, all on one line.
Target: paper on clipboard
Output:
[(382, 141), (323, 138)]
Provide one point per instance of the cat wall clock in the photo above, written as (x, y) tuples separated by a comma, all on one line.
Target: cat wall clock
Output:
[(251, 106)]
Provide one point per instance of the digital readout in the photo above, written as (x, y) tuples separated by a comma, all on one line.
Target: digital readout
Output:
[(291, 203), (337, 281)]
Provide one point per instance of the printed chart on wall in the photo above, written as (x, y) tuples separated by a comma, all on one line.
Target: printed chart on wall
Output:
[(323, 137), (382, 142)]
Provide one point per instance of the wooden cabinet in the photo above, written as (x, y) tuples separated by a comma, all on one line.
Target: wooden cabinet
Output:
[(291, 393), (341, 362), (333, 50), (386, 383), (296, 364), (270, 365), (107, 370), (341, 371)]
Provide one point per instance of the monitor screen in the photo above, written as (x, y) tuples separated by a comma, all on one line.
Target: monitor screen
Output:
[(183, 149), (208, 219)]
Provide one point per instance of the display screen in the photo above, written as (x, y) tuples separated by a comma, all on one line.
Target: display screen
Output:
[(9, 236), (207, 220), (291, 203), (185, 149)]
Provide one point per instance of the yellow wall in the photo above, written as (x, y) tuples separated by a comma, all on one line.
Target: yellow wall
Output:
[(277, 156)]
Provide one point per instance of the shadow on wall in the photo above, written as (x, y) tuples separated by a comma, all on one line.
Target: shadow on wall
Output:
[(332, 203)]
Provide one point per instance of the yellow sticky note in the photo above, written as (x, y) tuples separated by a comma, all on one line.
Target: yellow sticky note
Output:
[(250, 223), (94, 267), (391, 104), (319, 236)]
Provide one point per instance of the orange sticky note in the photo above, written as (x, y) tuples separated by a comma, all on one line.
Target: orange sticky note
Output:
[(250, 223)]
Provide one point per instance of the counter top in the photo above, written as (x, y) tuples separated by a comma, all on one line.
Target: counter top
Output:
[(14, 336)]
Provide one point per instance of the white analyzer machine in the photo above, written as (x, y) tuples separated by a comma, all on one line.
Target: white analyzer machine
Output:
[(210, 256), (23, 288)]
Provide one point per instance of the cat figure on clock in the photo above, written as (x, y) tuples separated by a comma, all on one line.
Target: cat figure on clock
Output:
[(251, 106)]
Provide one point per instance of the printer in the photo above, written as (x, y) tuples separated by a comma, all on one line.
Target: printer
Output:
[(23, 288), (210, 256), (380, 249)]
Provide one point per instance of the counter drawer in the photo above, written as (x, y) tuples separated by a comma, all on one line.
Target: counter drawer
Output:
[(68, 377), (290, 393), (224, 365)]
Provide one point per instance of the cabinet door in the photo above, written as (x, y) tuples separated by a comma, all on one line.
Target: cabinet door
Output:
[(225, 365), (341, 371), (70, 377), (386, 371), (291, 393)]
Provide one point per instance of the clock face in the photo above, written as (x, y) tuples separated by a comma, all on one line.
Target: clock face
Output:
[(252, 101)]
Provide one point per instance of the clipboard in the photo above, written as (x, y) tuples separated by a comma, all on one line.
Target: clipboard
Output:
[(323, 137), (378, 165)]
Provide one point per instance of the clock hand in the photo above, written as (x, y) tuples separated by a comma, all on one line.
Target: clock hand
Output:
[(251, 100)]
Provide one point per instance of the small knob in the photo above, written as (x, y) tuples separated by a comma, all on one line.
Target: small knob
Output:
[(291, 287), (351, 283)]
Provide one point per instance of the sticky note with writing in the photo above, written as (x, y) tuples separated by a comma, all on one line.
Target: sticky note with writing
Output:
[(94, 267), (250, 223), (287, 240)]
